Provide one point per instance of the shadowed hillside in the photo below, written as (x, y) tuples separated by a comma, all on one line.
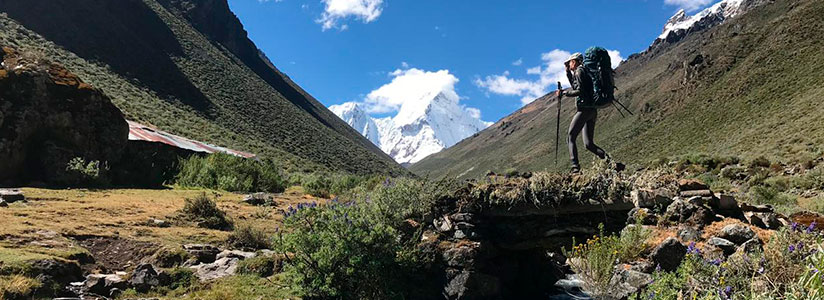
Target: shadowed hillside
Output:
[(188, 67), (749, 87)]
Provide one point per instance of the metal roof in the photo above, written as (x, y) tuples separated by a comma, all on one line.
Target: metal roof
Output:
[(140, 132)]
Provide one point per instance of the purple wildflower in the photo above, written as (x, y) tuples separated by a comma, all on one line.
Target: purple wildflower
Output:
[(794, 226), (811, 227), (791, 248)]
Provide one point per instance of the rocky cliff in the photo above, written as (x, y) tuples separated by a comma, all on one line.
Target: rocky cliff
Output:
[(49, 116)]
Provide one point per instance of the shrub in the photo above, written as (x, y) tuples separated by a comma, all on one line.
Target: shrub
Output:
[(595, 260), (205, 212), (248, 237), (181, 278), (261, 265), (17, 287), (339, 252), (82, 173), (317, 185), (230, 173)]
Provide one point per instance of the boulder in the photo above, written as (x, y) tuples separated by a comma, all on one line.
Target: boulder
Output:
[(102, 284), (627, 282), (3, 203), (686, 233), (724, 202), (694, 193), (11, 196), (725, 245), (145, 277), (737, 233), (684, 212), (766, 220), (472, 285), (235, 254), (646, 198), (692, 185), (646, 216), (57, 117), (201, 252), (751, 246), (258, 199), (223, 267), (443, 224), (668, 254), (757, 208)]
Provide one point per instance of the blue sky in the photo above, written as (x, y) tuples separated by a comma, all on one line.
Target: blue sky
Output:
[(499, 53)]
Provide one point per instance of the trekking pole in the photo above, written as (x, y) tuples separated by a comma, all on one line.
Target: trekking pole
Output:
[(625, 108), (558, 125)]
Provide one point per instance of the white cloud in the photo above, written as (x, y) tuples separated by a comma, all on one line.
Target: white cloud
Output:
[(551, 71), (336, 11), (689, 5), (518, 62), (409, 85)]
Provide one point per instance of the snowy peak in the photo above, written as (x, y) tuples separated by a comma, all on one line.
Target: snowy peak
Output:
[(680, 24), (356, 117), (423, 127)]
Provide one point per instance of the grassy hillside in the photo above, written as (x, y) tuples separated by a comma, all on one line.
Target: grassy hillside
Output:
[(164, 64), (750, 87)]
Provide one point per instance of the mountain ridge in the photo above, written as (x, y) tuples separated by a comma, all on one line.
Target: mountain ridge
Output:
[(164, 64), (745, 87)]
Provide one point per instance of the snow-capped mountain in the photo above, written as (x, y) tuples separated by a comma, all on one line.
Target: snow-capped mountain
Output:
[(356, 117), (420, 128), (681, 24)]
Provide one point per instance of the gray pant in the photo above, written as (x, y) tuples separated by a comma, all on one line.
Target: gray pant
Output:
[(584, 120)]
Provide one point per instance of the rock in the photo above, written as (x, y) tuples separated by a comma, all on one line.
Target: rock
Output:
[(202, 252), (235, 254), (758, 208), (643, 266), (724, 202), (443, 224), (766, 220), (223, 267), (460, 256), (102, 284), (646, 198), (689, 234), (725, 245), (681, 211), (462, 217), (11, 196), (692, 185), (3, 203), (56, 114), (145, 277), (737, 233), (751, 246), (694, 193), (158, 223), (646, 216), (628, 282), (56, 271), (669, 254), (260, 199), (472, 285)]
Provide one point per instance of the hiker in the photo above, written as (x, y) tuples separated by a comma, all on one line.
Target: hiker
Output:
[(585, 117)]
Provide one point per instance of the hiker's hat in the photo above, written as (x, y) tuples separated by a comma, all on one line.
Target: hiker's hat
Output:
[(575, 56)]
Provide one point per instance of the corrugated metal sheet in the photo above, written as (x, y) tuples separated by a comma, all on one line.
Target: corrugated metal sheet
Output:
[(140, 132)]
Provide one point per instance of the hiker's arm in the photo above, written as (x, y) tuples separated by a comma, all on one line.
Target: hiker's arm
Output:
[(575, 81)]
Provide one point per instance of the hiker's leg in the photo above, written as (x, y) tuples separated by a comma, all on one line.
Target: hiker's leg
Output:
[(589, 135), (578, 122)]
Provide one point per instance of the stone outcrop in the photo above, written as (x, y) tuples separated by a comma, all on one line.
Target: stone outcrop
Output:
[(49, 116)]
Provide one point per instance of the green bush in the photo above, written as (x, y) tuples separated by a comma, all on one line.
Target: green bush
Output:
[(337, 248), (594, 261), (261, 265), (230, 173), (79, 172), (340, 252), (205, 212), (248, 237)]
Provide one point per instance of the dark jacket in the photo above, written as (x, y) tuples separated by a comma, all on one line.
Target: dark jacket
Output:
[(581, 87)]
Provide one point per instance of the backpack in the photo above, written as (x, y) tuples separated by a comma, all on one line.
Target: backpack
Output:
[(598, 66)]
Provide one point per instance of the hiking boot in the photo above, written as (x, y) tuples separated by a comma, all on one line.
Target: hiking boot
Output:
[(575, 170)]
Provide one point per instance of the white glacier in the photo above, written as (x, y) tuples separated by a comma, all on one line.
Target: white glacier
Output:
[(722, 10)]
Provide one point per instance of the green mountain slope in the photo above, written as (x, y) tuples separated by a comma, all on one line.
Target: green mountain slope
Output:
[(188, 67), (750, 87)]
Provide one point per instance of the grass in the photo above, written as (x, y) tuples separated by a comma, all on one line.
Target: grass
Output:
[(17, 287), (248, 237), (204, 211)]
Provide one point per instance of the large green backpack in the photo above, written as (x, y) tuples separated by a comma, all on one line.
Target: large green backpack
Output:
[(598, 66)]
